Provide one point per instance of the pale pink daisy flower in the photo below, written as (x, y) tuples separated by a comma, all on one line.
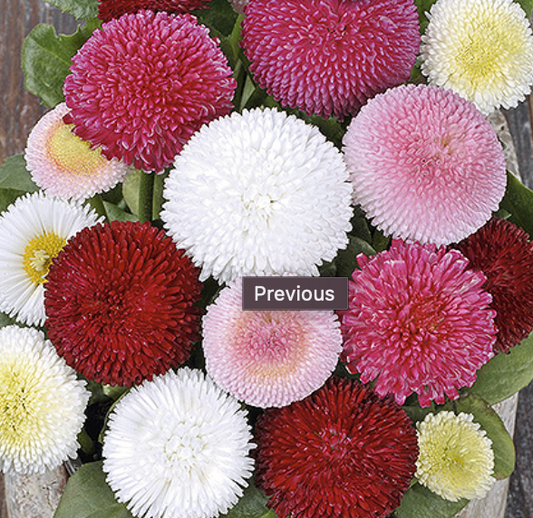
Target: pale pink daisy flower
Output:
[(268, 358), (425, 164), (418, 321), (63, 165)]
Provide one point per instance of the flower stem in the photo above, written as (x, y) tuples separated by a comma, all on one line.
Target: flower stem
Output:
[(146, 193)]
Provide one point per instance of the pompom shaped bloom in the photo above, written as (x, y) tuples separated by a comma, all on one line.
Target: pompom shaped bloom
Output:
[(268, 358), (33, 230), (418, 321), (327, 57), (256, 193), (144, 83), (109, 9), (456, 458), (42, 404), (178, 447), (64, 165), (425, 164), (481, 49), (119, 302), (341, 452), (503, 252)]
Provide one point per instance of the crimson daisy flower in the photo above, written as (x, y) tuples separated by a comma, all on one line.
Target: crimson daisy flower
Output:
[(144, 83), (418, 321), (109, 9), (119, 301), (327, 57), (502, 251), (342, 451)]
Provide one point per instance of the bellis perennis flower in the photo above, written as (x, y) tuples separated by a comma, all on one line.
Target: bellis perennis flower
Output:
[(178, 447), (260, 192)]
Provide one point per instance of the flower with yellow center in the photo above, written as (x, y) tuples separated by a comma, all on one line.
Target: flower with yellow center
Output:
[(64, 165), (481, 49), (42, 403), (456, 458), (33, 230)]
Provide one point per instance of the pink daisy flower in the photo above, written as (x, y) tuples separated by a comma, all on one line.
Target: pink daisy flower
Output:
[(268, 358), (425, 164), (327, 57), (418, 321), (144, 83)]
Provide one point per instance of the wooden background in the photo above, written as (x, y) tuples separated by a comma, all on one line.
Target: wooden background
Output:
[(19, 111)]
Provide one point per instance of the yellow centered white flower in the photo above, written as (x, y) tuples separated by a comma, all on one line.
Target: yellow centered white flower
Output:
[(42, 403), (481, 49), (456, 459), (33, 231)]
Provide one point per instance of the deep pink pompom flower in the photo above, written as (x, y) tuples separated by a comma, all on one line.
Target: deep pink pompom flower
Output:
[(268, 358), (503, 252), (340, 453), (109, 9), (144, 83), (418, 321), (120, 303), (425, 164), (327, 57)]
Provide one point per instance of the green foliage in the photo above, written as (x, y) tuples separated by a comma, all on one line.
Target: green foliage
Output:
[(518, 202), (422, 7), (527, 6), (15, 180), (219, 17), (251, 505), (46, 60), (81, 9)]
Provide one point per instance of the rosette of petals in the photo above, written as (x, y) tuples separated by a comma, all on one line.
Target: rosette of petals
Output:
[(120, 303), (33, 230), (42, 404), (481, 49), (342, 451), (268, 358), (63, 165), (456, 458), (327, 57), (256, 193), (109, 9), (425, 164), (418, 321), (144, 83), (178, 447), (502, 251)]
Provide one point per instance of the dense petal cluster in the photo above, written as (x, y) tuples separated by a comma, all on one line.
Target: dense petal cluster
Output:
[(418, 321), (342, 451), (119, 302), (481, 49), (178, 447), (42, 404), (503, 252), (426, 165), (456, 458), (327, 57), (33, 230), (257, 193), (109, 9), (268, 358), (63, 165), (144, 83)]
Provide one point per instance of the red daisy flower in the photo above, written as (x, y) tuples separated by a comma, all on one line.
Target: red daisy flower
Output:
[(119, 301), (327, 57), (144, 83), (502, 251), (342, 451), (109, 9)]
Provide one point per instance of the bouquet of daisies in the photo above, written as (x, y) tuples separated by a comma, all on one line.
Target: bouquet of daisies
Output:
[(191, 143)]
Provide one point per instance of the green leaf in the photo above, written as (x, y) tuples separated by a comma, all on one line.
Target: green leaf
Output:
[(420, 502), (422, 7), (251, 505), (6, 320), (219, 16), (46, 60), (518, 201), (7, 197), (115, 213), (14, 175), (87, 495), (81, 9), (346, 260), (505, 374), (527, 6)]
